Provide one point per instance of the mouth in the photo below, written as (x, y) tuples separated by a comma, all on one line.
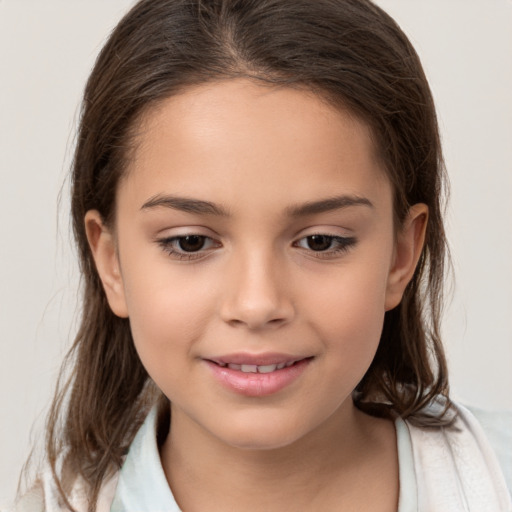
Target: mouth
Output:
[(254, 368), (258, 375), (266, 363)]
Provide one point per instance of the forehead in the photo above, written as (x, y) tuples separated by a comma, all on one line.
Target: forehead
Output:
[(229, 138)]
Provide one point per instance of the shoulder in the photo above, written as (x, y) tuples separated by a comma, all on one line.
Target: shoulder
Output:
[(461, 462), (44, 496), (497, 428), (31, 501)]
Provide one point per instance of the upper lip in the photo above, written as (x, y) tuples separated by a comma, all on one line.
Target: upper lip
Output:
[(256, 359)]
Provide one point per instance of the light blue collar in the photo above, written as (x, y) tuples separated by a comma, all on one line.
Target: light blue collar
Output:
[(142, 486), (408, 497)]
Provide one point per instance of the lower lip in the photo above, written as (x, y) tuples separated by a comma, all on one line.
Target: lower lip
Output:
[(258, 384)]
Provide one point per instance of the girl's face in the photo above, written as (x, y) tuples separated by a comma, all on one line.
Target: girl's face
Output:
[(255, 256)]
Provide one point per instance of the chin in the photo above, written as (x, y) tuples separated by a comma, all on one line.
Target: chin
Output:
[(257, 442), (260, 435)]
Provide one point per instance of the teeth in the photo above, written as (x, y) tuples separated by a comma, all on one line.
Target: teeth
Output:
[(252, 368), (267, 369), (249, 368)]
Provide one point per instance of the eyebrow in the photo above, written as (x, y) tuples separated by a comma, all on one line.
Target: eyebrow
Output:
[(328, 204), (197, 206), (185, 204)]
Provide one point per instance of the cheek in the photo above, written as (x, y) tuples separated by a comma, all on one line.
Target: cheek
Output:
[(167, 311), (350, 312)]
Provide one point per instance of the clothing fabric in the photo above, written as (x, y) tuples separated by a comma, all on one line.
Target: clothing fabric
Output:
[(440, 470)]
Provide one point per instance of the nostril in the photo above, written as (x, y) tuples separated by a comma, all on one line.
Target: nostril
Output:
[(276, 321), (254, 324)]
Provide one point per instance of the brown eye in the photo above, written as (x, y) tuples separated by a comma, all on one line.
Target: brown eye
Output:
[(319, 242), (326, 245), (188, 247), (191, 243)]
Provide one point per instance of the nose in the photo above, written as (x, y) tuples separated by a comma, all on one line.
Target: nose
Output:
[(258, 293)]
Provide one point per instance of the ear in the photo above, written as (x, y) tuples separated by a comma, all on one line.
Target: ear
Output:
[(408, 246), (103, 248)]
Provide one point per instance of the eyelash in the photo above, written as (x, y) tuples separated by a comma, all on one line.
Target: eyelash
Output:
[(170, 245), (342, 244)]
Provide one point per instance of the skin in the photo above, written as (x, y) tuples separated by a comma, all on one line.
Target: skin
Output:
[(257, 286)]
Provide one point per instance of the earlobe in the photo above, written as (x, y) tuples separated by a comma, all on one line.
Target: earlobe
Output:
[(408, 247), (103, 248)]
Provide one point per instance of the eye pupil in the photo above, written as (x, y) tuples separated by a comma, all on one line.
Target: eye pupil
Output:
[(191, 243), (319, 242)]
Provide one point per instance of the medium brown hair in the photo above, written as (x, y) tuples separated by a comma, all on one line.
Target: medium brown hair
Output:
[(348, 51)]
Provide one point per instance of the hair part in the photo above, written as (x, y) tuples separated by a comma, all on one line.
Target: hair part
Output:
[(349, 52)]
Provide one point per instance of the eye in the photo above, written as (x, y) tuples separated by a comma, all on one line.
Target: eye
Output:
[(329, 244), (191, 243), (188, 247)]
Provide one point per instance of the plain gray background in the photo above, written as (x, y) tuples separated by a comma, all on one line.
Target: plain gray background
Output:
[(46, 51)]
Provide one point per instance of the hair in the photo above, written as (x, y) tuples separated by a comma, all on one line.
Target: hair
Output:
[(349, 52)]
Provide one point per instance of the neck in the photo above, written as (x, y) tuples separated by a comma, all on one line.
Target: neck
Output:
[(206, 473)]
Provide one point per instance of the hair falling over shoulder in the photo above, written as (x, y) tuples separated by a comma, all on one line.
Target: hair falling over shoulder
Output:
[(348, 51)]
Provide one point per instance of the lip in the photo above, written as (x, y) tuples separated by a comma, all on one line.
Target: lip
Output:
[(257, 359), (257, 384)]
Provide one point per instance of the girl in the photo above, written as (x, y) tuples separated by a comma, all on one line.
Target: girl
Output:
[(257, 205)]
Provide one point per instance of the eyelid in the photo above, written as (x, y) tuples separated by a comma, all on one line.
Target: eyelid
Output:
[(167, 244), (345, 243)]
